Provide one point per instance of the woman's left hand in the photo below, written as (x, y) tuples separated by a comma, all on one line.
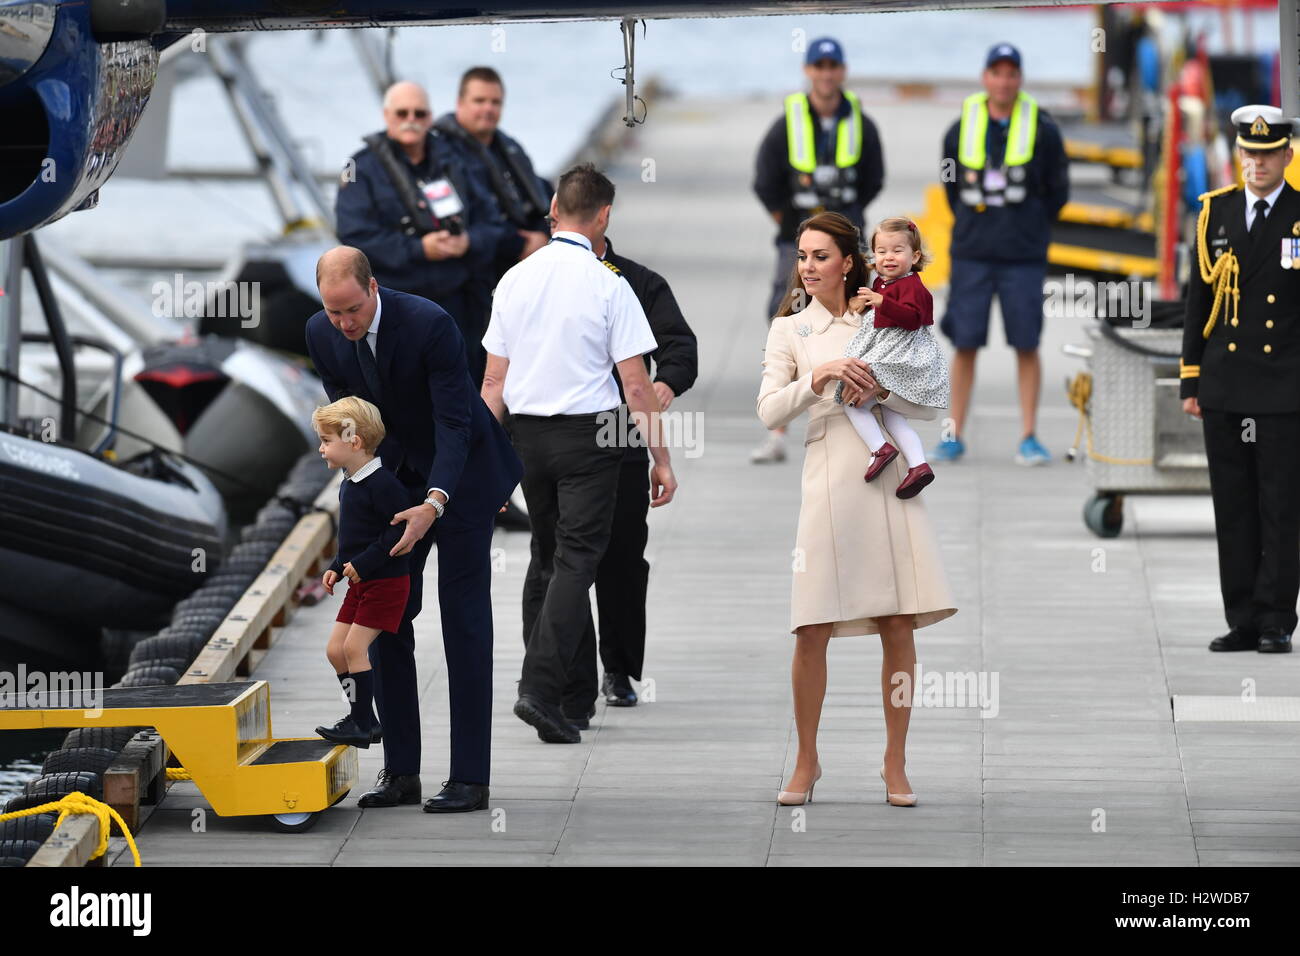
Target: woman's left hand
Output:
[(854, 396)]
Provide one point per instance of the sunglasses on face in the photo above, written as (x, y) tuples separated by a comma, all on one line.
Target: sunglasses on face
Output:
[(404, 113)]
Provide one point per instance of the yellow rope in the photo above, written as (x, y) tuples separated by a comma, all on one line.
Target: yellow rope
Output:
[(78, 802), (179, 773), (1079, 391), (1221, 274)]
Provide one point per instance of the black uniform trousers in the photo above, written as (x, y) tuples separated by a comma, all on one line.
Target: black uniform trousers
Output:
[(621, 582), (1256, 516), (569, 484), (465, 602)]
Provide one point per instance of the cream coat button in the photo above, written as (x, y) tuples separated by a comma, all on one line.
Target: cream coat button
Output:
[(1232, 346), (1268, 324), (1271, 298), (1234, 323), (1268, 348)]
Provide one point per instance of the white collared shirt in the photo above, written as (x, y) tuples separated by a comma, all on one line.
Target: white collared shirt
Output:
[(564, 320), (369, 468), (372, 336), (1271, 199)]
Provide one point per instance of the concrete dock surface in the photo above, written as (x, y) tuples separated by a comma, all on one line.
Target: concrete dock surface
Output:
[(1088, 640)]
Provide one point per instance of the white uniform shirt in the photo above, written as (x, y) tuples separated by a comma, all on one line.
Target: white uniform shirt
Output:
[(564, 320), (1271, 199)]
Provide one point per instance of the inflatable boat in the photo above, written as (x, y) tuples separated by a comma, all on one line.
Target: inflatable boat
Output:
[(102, 544)]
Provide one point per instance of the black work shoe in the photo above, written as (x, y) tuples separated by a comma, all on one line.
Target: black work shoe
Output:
[(582, 722), (392, 790), (458, 798), (618, 690), (346, 731), (1235, 640), (551, 726), (1274, 642)]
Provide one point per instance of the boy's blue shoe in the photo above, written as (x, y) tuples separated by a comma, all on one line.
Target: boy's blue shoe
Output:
[(1032, 453), (950, 449)]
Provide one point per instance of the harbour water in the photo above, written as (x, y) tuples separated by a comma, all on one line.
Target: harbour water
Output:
[(552, 96)]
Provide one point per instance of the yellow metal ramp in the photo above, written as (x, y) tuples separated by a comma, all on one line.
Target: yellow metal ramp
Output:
[(221, 733)]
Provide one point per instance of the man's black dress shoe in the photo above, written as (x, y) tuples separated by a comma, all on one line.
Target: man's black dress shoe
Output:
[(549, 721), (1274, 642), (392, 790), (1235, 640), (458, 798), (581, 722), (618, 690), (346, 731)]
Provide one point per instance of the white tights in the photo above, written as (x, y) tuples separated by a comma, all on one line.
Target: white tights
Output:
[(906, 438)]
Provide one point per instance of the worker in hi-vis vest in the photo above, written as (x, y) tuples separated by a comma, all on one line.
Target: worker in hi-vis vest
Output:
[(1006, 176), (822, 154)]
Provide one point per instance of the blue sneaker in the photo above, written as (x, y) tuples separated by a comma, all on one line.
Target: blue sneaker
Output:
[(1032, 453), (950, 449)]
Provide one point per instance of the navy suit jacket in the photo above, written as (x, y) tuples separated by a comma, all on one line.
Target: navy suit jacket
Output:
[(438, 428)]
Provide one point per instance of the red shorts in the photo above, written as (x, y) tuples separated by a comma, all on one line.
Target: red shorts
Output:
[(378, 603)]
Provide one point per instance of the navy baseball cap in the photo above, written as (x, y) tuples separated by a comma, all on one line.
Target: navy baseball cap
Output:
[(824, 49), (1003, 51)]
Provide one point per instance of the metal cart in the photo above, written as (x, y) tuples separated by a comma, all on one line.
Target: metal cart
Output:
[(1138, 438)]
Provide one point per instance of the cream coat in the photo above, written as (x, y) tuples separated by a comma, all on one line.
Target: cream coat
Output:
[(861, 552)]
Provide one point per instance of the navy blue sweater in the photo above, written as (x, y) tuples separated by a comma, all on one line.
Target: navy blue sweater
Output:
[(365, 535)]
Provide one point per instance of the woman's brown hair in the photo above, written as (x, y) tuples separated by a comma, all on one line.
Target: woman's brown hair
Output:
[(908, 228), (847, 239)]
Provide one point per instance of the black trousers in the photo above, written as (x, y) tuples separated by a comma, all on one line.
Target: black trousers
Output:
[(465, 603), (470, 307), (621, 581), (786, 255), (1256, 515), (569, 484)]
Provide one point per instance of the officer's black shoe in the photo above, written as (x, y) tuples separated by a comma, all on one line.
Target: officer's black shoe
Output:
[(1235, 640), (513, 519), (618, 690), (392, 790), (346, 731), (376, 733), (551, 726), (458, 798), (578, 717), (1274, 642)]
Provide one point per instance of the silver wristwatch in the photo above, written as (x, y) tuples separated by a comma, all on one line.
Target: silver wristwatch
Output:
[(438, 506)]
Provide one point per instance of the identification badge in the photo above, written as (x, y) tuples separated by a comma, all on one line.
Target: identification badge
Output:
[(994, 180), (826, 176), (444, 201)]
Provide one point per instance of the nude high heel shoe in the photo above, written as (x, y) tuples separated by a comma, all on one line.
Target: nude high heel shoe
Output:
[(797, 798), (897, 799)]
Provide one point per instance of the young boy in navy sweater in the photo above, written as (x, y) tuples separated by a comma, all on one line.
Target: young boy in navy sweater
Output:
[(350, 430)]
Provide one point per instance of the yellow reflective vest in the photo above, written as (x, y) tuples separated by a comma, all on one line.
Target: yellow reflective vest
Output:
[(802, 141), (1022, 134)]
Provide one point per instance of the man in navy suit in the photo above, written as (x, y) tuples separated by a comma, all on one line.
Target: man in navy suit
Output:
[(406, 355)]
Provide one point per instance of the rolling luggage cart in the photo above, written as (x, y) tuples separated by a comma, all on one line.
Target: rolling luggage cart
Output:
[(1138, 438)]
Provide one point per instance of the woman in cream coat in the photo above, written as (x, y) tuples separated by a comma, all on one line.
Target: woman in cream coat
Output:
[(866, 561)]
